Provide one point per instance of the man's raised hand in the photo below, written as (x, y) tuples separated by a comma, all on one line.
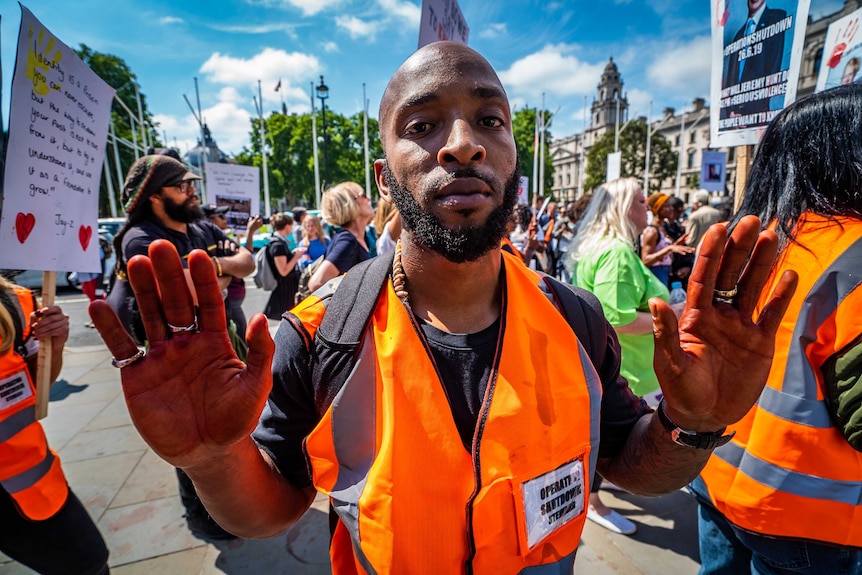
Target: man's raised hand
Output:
[(713, 364), (190, 397)]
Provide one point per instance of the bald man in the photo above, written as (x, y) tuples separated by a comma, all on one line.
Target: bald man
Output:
[(462, 432)]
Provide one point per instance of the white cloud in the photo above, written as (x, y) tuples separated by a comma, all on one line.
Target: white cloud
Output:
[(683, 67), (229, 125), (268, 66), (312, 7), (355, 27), (329, 47), (257, 28), (231, 95), (410, 14), (494, 31), (171, 20), (554, 70)]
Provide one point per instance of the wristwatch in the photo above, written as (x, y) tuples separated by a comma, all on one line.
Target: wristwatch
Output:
[(689, 438)]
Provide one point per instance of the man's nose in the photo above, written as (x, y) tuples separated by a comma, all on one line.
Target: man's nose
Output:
[(461, 146)]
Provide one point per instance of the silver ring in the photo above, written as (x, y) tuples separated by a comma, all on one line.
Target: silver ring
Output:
[(121, 363), (726, 293), (727, 300), (184, 328)]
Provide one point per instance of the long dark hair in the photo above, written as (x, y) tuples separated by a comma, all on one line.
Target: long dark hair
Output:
[(142, 211), (809, 160)]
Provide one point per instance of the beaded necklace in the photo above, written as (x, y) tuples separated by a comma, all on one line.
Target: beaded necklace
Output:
[(399, 278)]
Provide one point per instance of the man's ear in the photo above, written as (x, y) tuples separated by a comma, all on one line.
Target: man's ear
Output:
[(379, 166)]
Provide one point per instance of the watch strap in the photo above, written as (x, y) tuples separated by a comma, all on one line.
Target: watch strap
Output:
[(695, 439)]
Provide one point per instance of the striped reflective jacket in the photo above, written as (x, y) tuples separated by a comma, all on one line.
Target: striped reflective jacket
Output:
[(29, 470), (410, 498), (789, 472)]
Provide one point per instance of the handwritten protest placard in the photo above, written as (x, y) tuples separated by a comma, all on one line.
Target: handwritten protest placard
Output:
[(842, 53), (237, 187), (57, 134), (757, 51), (442, 20)]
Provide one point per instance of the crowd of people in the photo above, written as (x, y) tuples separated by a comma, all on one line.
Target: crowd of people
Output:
[(443, 353)]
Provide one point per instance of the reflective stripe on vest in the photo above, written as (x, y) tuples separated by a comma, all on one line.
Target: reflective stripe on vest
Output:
[(789, 472), (30, 477), (393, 407), (16, 423)]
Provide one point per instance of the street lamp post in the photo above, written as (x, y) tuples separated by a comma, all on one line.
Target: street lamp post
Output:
[(323, 94)]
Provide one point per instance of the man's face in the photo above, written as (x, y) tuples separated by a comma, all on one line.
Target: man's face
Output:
[(754, 6), (450, 154), (181, 203)]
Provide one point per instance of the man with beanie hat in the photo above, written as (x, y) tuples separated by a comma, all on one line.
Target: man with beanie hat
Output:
[(161, 202)]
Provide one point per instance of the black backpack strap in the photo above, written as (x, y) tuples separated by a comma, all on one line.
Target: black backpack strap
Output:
[(349, 309), (571, 301)]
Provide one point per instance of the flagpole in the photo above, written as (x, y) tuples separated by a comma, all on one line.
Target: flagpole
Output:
[(365, 128), (314, 151), (268, 208), (542, 149), (536, 159)]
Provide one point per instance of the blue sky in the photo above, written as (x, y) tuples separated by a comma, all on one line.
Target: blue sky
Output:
[(556, 47)]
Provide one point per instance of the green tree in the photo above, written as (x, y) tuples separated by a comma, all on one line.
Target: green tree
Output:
[(633, 147), (114, 71), (524, 131), (291, 163)]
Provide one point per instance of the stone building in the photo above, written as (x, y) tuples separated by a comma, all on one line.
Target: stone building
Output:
[(687, 131)]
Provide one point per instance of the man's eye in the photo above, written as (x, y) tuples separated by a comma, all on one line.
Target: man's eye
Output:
[(417, 128), (492, 122)]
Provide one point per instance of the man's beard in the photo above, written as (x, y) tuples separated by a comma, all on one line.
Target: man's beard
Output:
[(462, 243), (184, 212)]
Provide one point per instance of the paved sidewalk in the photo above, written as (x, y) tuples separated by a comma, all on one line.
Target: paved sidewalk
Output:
[(132, 494)]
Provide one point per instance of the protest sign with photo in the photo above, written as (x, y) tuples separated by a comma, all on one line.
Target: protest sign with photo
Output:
[(757, 51), (237, 187), (842, 53), (58, 128), (442, 20), (713, 171)]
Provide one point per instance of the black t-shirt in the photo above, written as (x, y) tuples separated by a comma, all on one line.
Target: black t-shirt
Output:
[(462, 358), (202, 234), (291, 414)]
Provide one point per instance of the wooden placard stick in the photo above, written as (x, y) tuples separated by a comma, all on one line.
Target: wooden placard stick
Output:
[(44, 359), (744, 156)]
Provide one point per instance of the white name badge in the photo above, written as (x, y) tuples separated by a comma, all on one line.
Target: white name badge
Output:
[(553, 499), (14, 389)]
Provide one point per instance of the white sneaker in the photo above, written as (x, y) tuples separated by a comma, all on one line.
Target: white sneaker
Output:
[(613, 522)]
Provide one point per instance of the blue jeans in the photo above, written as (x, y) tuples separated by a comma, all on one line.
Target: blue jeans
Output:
[(728, 550)]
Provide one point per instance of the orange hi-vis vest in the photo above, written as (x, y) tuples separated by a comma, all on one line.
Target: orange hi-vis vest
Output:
[(29, 470), (410, 498), (789, 472)]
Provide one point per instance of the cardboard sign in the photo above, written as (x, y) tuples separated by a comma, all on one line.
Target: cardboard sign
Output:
[(755, 66), (713, 171), (237, 187), (442, 20), (842, 53), (58, 129)]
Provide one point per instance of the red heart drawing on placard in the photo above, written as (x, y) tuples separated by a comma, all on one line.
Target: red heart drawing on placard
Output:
[(24, 224), (84, 235)]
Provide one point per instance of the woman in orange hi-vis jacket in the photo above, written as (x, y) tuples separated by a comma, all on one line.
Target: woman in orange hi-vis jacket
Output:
[(42, 524), (785, 495)]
